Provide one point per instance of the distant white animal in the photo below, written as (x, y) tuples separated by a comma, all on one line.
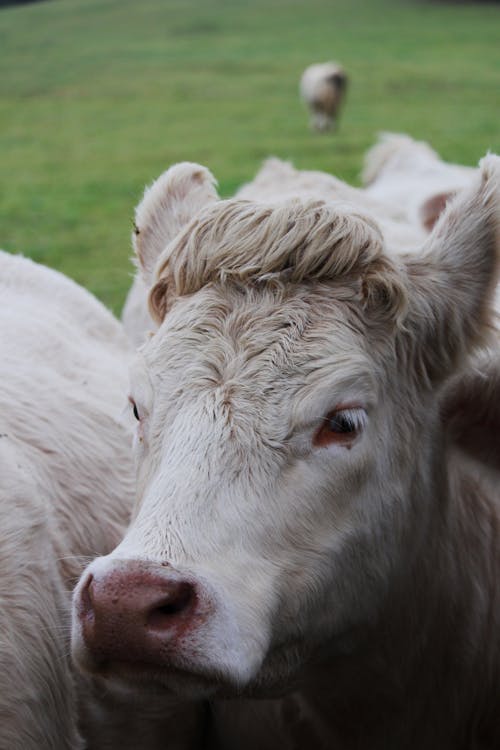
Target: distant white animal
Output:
[(409, 174), (305, 521), (323, 88)]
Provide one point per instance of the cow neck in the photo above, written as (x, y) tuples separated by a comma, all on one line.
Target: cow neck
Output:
[(422, 673)]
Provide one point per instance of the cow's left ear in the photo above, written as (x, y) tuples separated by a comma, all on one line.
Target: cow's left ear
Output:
[(167, 206), (453, 279)]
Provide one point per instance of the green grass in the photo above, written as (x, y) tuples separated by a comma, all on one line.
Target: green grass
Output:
[(97, 97)]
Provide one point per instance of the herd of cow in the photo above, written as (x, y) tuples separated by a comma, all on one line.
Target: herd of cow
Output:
[(291, 540)]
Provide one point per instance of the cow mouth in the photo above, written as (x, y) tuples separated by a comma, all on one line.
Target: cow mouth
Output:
[(170, 680)]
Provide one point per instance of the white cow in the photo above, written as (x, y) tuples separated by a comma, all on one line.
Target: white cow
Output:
[(323, 87), (278, 181), (409, 174), (66, 491), (306, 523)]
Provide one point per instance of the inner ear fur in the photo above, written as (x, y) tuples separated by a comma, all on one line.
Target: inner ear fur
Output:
[(159, 300), (432, 208), (453, 279), (470, 410), (167, 206)]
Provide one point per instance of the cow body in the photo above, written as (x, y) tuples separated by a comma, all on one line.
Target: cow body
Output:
[(309, 531), (401, 171), (279, 182), (66, 493)]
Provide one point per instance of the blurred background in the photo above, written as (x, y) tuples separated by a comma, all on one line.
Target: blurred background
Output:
[(98, 97)]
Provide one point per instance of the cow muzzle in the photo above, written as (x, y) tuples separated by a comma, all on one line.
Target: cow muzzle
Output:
[(136, 616)]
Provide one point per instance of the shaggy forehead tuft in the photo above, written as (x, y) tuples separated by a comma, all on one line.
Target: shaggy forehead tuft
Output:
[(298, 241), (243, 240)]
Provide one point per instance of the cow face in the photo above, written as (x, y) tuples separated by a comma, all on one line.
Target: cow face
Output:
[(288, 441)]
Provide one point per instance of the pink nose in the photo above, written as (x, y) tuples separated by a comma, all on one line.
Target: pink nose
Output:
[(136, 612)]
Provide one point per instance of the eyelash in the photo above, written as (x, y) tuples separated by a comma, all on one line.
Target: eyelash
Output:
[(340, 426)]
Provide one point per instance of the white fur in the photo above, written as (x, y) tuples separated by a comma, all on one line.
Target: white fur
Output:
[(136, 319)]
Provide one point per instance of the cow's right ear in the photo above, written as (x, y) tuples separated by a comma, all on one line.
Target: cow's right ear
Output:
[(452, 281), (470, 409), (167, 206)]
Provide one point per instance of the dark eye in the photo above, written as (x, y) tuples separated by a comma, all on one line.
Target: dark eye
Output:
[(134, 409), (340, 426), (341, 422)]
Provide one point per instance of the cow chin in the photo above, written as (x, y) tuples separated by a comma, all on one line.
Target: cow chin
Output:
[(171, 675), (188, 681), (182, 671)]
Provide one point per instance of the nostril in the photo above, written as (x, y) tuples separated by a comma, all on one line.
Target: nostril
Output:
[(86, 604), (180, 600)]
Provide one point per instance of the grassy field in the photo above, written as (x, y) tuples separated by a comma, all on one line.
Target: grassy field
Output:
[(97, 97)]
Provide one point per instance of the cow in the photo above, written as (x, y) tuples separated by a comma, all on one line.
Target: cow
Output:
[(410, 174), (66, 492), (309, 530), (322, 88)]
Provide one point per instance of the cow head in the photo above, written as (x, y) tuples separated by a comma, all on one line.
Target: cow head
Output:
[(288, 437)]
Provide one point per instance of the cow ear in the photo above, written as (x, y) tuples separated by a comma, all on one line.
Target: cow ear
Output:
[(452, 281), (470, 409), (167, 206), (432, 208)]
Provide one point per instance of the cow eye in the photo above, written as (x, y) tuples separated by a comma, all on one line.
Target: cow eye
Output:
[(340, 426), (135, 409)]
